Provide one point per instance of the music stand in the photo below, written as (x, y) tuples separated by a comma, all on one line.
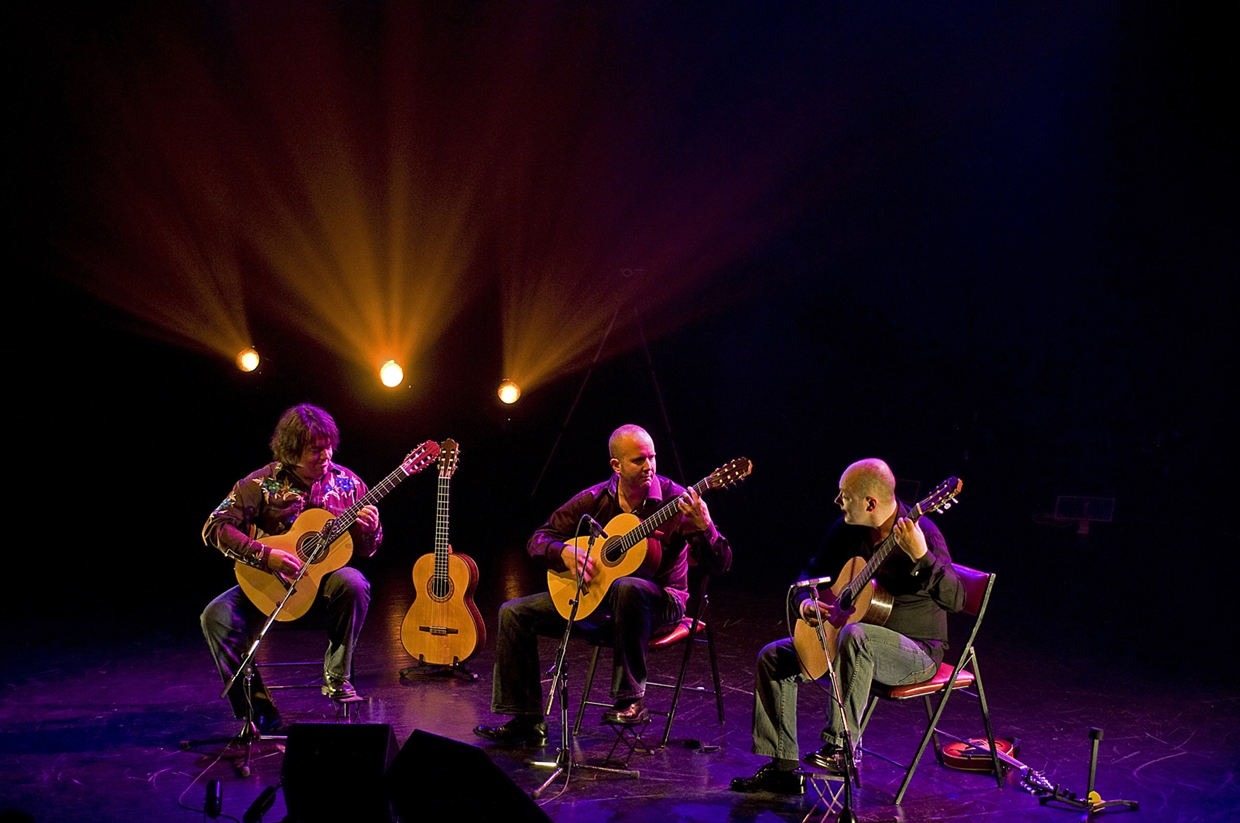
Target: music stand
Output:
[(564, 763), (847, 814)]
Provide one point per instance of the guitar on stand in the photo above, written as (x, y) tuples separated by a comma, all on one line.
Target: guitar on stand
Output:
[(855, 595), (626, 550), (443, 626), (322, 543)]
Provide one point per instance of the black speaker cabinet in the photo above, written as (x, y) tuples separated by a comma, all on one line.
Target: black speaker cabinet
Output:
[(437, 778), (334, 772)]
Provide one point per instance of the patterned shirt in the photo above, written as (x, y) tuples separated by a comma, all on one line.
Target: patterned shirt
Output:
[(267, 502)]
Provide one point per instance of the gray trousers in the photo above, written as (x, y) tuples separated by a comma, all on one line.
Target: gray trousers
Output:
[(230, 623), (866, 654)]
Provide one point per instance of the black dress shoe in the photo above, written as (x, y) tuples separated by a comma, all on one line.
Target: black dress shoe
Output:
[(770, 779), (271, 724), (519, 730), (629, 715), (830, 758)]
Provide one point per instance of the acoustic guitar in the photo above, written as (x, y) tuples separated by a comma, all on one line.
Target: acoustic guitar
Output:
[(322, 543), (443, 626), (855, 595), (625, 551), (974, 756)]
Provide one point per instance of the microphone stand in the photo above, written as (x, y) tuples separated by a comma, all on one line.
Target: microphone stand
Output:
[(564, 763), (249, 732), (847, 815)]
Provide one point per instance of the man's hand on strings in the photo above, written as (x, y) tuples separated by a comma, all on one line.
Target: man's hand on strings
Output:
[(910, 538), (574, 557), (693, 507), (282, 562)]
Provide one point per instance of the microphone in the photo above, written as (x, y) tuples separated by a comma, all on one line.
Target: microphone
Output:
[(595, 528), (813, 581)]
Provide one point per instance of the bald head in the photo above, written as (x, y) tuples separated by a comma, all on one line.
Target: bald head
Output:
[(867, 493), (624, 435), (870, 478)]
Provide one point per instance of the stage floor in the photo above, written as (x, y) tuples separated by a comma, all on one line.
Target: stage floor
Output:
[(93, 727)]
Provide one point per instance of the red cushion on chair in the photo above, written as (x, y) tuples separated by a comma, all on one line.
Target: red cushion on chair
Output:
[(677, 633), (934, 684)]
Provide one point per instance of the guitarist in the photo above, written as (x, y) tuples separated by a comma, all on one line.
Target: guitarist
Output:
[(907, 649), (267, 502), (634, 607)]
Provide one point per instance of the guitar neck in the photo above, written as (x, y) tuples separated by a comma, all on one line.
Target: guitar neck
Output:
[(341, 523), (643, 529), (881, 553), (441, 528)]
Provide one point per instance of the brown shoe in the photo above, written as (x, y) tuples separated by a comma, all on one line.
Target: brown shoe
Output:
[(629, 715)]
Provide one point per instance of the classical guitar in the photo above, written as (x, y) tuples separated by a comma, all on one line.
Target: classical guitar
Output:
[(855, 595), (443, 626), (322, 543), (974, 756), (626, 550)]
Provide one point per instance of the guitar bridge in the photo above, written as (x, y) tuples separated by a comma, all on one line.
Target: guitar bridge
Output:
[(438, 631)]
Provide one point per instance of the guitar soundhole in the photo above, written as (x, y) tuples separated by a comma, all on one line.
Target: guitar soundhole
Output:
[(307, 546), (612, 552), (440, 588)]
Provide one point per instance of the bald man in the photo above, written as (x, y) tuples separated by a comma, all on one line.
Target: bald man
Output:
[(634, 607), (907, 649)]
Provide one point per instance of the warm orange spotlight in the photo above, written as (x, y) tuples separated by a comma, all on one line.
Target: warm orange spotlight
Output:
[(247, 360), (391, 374), (509, 392)]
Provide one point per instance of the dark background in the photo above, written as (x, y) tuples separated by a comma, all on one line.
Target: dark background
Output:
[(1000, 252)]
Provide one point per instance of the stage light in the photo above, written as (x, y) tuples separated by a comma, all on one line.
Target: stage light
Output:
[(391, 374), (509, 392), (247, 360)]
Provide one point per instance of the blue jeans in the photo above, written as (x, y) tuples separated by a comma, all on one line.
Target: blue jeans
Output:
[(230, 623), (866, 654), (627, 617)]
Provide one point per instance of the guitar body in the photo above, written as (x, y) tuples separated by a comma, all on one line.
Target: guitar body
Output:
[(265, 589), (873, 606), (443, 626), (641, 560)]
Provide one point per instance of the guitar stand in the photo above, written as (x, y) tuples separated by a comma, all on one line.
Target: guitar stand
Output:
[(455, 669), (1092, 803)]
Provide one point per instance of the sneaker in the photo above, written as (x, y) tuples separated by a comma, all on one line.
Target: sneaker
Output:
[(770, 779)]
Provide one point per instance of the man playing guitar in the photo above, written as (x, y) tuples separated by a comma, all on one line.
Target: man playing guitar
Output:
[(267, 502), (908, 647), (634, 605)]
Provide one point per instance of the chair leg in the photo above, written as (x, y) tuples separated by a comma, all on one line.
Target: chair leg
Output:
[(714, 667), (990, 732), (680, 682), (585, 693), (925, 741)]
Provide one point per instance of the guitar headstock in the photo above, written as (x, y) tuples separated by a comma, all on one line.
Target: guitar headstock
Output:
[(942, 497), (420, 458), (449, 451), (729, 473)]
